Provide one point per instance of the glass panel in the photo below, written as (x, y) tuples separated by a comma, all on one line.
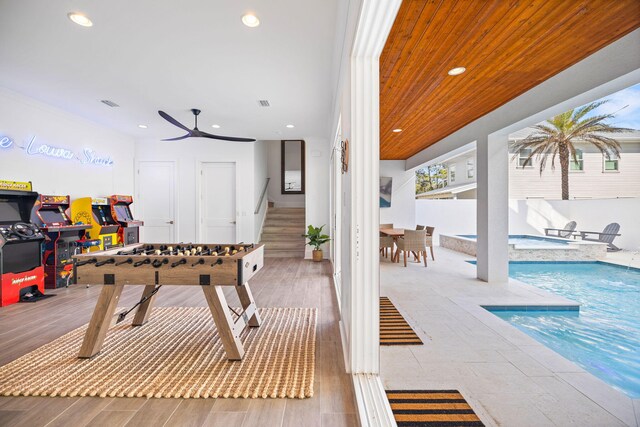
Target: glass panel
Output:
[(293, 168), (470, 168), (577, 165), (523, 156), (611, 165)]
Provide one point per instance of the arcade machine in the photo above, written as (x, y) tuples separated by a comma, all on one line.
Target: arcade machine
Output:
[(97, 213), (129, 228), (49, 213), (21, 270)]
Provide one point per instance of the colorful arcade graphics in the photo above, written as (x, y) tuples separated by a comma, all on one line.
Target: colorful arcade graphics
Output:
[(97, 213), (21, 270), (49, 213), (129, 228)]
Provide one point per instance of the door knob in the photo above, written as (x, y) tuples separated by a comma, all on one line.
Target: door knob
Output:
[(232, 222), (170, 222)]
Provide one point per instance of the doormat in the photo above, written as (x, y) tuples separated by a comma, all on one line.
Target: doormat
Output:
[(394, 330), (432, 408)]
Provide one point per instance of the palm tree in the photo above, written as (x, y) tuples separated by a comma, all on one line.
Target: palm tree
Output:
[(558, 136)]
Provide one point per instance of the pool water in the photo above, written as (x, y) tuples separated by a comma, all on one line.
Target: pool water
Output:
[(604, 336), (526, 240)]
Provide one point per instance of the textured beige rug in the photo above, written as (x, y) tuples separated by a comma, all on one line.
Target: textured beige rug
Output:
[(176, 354)]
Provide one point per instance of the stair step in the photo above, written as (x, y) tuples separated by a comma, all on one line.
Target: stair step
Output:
[(290, 245), (286, 217), (276, 253), (286, 210), (280, 229), (270, 237), (284, 222)]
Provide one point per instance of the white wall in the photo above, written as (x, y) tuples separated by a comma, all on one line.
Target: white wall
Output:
[(188, 154), (22, 118), (533, 216), (259, 179), (318, 167), (274, 167), (401, 214), (447, 216)]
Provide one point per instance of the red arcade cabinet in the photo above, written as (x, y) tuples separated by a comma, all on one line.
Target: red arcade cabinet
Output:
[(129, 232), (50, 214), (21, 270)]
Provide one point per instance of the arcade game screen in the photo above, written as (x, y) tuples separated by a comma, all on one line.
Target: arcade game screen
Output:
[(52, 217), (123, 212), (9, 211)]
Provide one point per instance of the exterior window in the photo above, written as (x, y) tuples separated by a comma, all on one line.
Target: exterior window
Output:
[(523, 155), (452, 174), (578, 164), (611, 163), (471, 168)]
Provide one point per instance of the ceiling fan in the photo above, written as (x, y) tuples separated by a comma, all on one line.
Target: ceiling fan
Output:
[(195, 132)]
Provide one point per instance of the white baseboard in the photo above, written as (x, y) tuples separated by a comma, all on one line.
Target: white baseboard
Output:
[(371, 401), (345, 347)]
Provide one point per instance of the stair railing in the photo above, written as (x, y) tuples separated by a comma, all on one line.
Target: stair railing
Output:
[(264, 192)]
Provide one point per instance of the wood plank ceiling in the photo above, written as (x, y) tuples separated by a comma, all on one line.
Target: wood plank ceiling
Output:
[(507, 47)]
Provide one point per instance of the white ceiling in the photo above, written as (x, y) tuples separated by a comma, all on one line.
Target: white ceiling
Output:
[(149, 55)]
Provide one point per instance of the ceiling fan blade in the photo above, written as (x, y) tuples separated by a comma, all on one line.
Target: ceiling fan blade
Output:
[(225, 138), (173, 121), (178, 138)]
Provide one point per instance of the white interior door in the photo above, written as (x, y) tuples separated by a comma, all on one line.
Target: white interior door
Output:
[(218, 202), (155, 201)]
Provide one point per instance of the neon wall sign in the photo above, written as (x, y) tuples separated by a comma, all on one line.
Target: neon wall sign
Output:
[(33, 148)]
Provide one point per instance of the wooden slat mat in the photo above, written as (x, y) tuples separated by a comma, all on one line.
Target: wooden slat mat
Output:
[(394, 330), (432, 408)]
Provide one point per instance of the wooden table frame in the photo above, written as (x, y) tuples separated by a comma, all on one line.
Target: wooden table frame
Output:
[(229, 329)]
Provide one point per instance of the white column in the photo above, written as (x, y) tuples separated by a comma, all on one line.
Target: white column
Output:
[(374, 25), (493, 208)]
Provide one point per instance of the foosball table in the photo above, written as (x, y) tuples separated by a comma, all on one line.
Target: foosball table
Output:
[(209, 266)]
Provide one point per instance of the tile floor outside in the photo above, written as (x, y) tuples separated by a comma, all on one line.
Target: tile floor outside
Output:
[(509, 378)]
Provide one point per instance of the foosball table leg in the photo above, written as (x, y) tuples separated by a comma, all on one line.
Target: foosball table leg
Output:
[(144, 309), (224, 322), (246, 299), (100, 321)]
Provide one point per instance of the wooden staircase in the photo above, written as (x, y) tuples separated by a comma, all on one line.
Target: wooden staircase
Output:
[(282, 233)]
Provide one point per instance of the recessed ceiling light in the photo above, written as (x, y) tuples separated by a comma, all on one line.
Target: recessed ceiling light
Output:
[(456, 71), (397, 130), (215, 126), (290, 126), (250, 20), (80, 19), (142, 126)]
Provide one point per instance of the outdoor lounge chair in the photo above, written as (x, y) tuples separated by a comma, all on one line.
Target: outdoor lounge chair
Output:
[(608, 234), (565, 232)]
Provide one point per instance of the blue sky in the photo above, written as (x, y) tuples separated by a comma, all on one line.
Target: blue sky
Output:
[(625, 116)]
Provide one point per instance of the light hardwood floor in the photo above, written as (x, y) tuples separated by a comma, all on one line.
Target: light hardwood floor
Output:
[(283, 282)]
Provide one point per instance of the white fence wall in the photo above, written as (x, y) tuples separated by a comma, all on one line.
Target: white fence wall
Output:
[(532, 216)]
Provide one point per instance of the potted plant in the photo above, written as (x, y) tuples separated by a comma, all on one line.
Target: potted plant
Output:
[(316, 239)]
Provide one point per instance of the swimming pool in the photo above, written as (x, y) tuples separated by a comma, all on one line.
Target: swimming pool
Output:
[(604, 336)]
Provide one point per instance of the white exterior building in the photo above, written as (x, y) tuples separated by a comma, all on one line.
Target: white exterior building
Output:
[(593, 176)]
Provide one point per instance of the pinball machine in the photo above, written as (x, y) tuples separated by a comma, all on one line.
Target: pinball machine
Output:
[(129, 232), (50, 215), (21, 269)]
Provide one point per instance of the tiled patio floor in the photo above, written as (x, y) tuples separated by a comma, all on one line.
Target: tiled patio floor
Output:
[(509, 378)]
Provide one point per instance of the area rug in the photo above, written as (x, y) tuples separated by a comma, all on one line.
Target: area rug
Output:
[(176, 354), (394, 330), (433, 408)]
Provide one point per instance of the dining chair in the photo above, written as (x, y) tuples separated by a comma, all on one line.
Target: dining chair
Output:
[(419, 227), (430, 240), (386, 242), (414, 241)]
